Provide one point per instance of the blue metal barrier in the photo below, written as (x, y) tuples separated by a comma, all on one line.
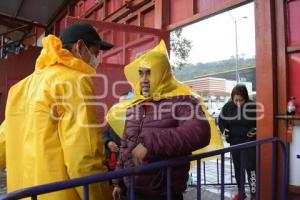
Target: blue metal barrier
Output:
[(208, 181), (33, 192)]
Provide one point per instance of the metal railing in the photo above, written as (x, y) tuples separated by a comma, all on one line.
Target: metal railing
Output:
[(33, 192), (214, 165)]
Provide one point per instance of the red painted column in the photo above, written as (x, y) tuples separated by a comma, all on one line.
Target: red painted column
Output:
[(266, 84), (282, 79)]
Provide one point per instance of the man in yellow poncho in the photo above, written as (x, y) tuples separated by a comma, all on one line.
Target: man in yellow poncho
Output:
[(48, 134), (165, 119)]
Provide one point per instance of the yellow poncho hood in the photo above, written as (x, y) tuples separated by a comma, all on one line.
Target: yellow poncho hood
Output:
[(162, 85), (53, 53)]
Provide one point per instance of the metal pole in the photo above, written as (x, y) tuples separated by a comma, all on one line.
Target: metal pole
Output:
[(231, 169), (199, 179), (242, 172), (258, 175), (236, 54), (86, 192), (236, 49), (222, 176), (204, 173), (218, 181), (273, 171), (169, 183), (2, 46), (132, 185)]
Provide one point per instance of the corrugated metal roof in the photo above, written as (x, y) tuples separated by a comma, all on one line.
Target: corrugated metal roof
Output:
[(36, 11)]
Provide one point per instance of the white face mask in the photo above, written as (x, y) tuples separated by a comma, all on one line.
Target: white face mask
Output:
[(94, 60)]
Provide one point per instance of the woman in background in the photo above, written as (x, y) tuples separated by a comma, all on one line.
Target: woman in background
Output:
[(237, 121)]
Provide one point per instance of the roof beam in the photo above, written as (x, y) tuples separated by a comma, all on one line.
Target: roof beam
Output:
[(21, 28), (22, 21), (19, 8), (61, 12), (9, 23)]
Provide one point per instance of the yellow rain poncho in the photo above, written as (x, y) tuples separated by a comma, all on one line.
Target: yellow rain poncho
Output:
[(46, 135), (162, 85)]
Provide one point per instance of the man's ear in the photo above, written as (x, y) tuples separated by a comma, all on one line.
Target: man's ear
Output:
[(78, 46)]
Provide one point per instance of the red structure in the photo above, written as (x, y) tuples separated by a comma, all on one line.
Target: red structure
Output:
[(277, 45)]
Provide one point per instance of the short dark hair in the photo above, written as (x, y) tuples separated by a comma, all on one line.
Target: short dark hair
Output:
[(69, 46), (240, 89)]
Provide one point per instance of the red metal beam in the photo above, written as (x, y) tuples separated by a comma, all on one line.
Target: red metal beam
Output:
[(293, 49), (195, 9), (94, 8), (162, 13), (282, 68), (129, 45), (119, 14), (281, 38), (266, 81), (137, 14), (105, 9), (118, 27), (132, 9), (281, 43), (227, 5)]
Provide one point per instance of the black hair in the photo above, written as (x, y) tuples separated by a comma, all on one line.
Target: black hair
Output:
[(240, 89)]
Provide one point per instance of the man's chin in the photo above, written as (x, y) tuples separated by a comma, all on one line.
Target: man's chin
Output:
[(146, 94)]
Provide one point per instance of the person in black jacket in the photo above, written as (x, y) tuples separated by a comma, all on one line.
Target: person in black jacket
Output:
[(112, 143), (237, 121)]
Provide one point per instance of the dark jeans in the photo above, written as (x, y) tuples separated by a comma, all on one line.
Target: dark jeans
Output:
[(146, 197), (249, 164)]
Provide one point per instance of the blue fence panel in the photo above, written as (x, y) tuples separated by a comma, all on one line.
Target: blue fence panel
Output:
[(33, 192)]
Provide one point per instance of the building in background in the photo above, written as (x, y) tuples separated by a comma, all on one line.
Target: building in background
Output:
[(215, 91)]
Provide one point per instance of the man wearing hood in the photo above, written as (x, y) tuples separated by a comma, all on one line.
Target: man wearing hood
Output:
[(165, 119), (48, 133)]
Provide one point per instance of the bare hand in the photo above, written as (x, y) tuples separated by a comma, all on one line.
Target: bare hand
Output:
[(116, 193), (138, 154), (251, 134), (226, 133), (113, 147)]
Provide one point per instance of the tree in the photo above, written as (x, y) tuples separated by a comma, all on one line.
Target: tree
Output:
[(180, 48)]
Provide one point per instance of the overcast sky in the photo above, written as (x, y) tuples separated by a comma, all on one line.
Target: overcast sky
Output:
[(214, 38)]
